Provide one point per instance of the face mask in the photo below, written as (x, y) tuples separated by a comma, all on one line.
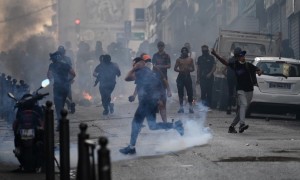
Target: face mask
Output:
[(149, 65), (205, 52), (184, 55), (242, 62)]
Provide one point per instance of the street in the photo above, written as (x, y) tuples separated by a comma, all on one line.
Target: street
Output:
[(267, 150)]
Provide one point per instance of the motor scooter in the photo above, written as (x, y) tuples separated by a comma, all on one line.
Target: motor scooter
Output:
[(29, 131)]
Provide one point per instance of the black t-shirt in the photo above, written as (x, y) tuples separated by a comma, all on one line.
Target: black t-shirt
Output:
[(245, 75), (205, 64), (60, 72), (107, 73), (230, 72)]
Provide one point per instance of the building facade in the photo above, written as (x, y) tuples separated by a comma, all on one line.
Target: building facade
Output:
[(284, 16), (199, 21), (102, 20)]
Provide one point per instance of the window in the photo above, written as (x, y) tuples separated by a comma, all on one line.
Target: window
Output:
[(251, 48), (139, 14), (280, 68)]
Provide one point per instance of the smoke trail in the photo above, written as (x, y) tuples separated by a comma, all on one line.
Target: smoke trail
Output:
[(21, 19), (195, 133)]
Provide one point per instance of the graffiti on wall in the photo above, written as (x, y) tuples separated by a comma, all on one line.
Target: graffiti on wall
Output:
[(105, 11)]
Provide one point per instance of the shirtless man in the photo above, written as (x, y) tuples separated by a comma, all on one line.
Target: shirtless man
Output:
[(184, 66)]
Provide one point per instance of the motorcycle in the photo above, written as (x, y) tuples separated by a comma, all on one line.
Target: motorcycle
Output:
[(28, 130)]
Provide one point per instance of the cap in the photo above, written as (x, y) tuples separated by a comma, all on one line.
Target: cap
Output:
[(237, 51), (146, 57), (242, 53)]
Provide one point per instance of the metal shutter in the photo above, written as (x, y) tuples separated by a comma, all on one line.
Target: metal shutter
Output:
[(294, 33)]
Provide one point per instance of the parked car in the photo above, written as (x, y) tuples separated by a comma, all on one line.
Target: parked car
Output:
[(278, 90)]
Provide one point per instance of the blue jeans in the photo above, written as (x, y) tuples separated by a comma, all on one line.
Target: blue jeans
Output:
[(146, 109)]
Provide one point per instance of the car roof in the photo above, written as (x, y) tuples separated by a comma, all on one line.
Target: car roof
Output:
[(272, 59)]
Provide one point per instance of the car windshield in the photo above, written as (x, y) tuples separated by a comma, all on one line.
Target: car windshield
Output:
[(280, 69), (251, 48)]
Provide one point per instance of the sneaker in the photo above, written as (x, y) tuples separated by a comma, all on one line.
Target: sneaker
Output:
[(191, 111), (231, 130), (180, 110), (105, 112), (243, 127), (127, 150), (111, 108), (178, 126)]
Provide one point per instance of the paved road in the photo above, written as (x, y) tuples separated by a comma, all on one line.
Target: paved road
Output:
[(267, 150)]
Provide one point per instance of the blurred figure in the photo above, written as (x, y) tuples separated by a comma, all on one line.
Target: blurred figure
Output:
[(161, 59), (98, 50), (165, 91), (68, 60), (106, 73), (82, 67), (206, 66), (231, 80), (143, 48), (184, 66), (192, 55), (148, 88), (246, 79), (69, 52), (23, 88), (286, 50), (62, 74)]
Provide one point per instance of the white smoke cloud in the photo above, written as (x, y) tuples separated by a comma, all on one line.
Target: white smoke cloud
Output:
[(195, 133)]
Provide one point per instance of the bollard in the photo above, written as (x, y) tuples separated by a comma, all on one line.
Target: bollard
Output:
[(64, 146), (49, 142), (83, 158), (104, 167), (91, 145)]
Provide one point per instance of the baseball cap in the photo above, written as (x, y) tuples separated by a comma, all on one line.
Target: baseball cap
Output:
[(146, 57), (237, 50), (242, 53)]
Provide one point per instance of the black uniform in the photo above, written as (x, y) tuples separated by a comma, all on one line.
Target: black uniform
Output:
[(205, 65)]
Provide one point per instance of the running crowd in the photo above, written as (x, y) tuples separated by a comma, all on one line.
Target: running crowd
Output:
[(152, 84), (150, 76)]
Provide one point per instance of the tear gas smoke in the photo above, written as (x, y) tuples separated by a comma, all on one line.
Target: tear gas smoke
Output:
[(25, 44), (22, 19)]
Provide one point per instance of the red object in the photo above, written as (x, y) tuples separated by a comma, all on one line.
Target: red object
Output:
[(146, 57), (77, 21)]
